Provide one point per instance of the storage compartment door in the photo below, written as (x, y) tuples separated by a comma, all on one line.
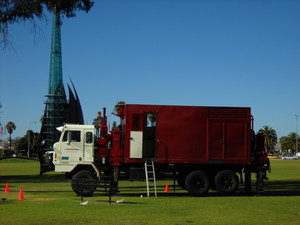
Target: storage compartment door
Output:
[(216, 140), (136, 144), (236, 140)]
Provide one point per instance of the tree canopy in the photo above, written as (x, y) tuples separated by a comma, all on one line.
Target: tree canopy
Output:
[(289, 142), (16, 11), (270, 137), (10, 127), (31, 141)]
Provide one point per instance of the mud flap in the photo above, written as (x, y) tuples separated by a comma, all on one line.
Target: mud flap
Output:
[(247, 172)]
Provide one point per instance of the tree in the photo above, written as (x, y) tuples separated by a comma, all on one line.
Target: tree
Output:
[(16, 11), (10, 127), (21, 144), (96, 123), (270, 137), (13, 142), (289, 142), (119, 103)]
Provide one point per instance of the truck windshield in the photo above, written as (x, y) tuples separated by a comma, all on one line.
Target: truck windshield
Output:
[(74, 136)]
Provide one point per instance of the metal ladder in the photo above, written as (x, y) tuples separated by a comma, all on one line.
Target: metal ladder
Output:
[(150, 176)]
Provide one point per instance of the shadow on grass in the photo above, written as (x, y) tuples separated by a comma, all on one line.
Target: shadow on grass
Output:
[(272, 188), (33, 178), (282, 188)]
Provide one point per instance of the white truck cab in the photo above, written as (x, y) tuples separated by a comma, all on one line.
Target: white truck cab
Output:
[(75, 146)]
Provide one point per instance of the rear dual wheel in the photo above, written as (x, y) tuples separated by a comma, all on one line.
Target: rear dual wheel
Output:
[(227, 182), (197, 183)]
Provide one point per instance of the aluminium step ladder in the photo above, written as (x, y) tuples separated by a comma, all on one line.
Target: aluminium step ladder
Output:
[(150, 176)]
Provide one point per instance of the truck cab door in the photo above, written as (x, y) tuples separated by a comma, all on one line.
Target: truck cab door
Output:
[(72, 146), (88, 150)]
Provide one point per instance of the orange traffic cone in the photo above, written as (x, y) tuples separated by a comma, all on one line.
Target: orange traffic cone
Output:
[(167, 188), (6, 188), (21, 196)]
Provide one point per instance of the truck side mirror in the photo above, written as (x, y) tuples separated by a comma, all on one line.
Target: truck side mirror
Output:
[(69, 138)]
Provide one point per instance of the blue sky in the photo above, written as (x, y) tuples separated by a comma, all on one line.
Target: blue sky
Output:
[(173, 52)]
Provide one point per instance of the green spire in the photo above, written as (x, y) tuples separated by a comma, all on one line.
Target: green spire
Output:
[(55, 76), (56, 104)]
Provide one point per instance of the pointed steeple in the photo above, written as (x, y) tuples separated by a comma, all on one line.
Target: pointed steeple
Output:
[(55, 110), (55, 74)]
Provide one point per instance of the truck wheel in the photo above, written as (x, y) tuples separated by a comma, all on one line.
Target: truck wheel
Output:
[(227, 182), (84, 183), (197, 183)]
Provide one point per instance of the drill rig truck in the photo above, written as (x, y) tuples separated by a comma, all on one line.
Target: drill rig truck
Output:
[(203, 147)]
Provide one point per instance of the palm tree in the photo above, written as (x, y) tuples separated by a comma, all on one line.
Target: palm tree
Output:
[(10, 127), (115, 111), (270, 137), (289, 142), (96, 123)]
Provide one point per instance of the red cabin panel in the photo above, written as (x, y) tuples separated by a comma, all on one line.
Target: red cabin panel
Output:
[(187, 134), (215, 140)]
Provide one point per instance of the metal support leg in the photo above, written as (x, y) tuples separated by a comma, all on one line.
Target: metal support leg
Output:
[(260, 180), (115, 178), (247, 181)]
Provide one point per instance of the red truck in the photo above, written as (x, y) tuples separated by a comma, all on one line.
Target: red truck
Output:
[(203, 147)]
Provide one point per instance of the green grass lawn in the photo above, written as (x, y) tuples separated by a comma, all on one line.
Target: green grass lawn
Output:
[(50, 200)]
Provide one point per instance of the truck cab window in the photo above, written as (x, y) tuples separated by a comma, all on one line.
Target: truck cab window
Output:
[(73, 136), (65, 137), (89, 137)]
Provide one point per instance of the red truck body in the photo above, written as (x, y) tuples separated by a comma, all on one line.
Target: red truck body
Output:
[(188, 134), (203, 146)]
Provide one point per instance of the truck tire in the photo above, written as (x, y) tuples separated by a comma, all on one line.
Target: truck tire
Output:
[(84, 183), (227, 182), (197, 183)]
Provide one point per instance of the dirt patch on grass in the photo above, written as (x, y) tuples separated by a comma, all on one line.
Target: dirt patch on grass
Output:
[(107, 202), (101, 202), (43, 199)]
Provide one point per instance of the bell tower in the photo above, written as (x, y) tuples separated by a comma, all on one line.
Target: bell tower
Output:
[(58, 110)]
